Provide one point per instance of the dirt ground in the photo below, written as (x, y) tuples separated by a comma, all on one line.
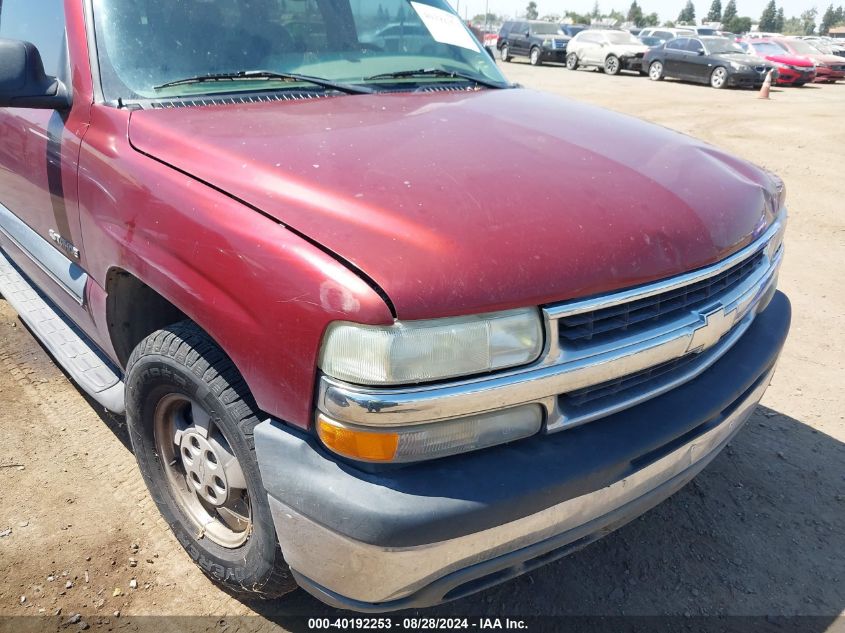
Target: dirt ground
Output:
[(760, 532)]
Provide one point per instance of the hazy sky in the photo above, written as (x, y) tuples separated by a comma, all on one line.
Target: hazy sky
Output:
[(666, 9)]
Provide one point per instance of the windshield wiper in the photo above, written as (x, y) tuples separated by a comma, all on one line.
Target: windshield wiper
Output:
[(436, 72), (247, 75)]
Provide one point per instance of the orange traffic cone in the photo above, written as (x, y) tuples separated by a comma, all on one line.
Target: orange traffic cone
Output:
[(767, 85)]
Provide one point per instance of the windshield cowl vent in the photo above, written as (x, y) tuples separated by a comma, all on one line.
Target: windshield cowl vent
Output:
[(234, 99)]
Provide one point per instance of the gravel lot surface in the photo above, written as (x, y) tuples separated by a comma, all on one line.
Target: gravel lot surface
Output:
[(760, 532)]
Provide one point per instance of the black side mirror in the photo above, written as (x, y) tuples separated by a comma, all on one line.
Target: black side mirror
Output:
[(700, 51), (23, 83)]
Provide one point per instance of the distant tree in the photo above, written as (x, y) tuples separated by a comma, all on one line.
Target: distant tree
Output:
[(490, 18), (715, 13), (596, 12), (578, 18), (793, 26), (839, 17), (669, 24), (687, 14), (652, 19), (615, 17), (768, 20), (740, 25), (780, 21), (808, 21), (828, 20), (729, 14), (531, 11), (635, 14)]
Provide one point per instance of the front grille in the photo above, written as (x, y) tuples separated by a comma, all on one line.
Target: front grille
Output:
[(598, 326), (639, 55), (618, 386)]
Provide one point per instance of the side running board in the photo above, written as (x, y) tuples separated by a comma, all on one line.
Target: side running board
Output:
[(89, 368)]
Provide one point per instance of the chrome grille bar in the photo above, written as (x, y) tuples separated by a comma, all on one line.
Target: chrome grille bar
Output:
[(706, 330)]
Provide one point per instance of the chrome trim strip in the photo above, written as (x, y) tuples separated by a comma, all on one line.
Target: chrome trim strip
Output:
[(68, 275), (369, 573), (626, 296), (694, 331)]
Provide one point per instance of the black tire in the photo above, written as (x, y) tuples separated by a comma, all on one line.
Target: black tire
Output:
[(181, 361), (572, 61), (655, 71), (504, 53), (612, 65), (535, 56), (719, 78)]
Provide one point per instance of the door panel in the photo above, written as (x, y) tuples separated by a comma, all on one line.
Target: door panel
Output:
[(39, 152)]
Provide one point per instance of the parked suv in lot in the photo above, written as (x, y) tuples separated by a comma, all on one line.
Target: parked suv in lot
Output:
[(345, 362), (538, 41)]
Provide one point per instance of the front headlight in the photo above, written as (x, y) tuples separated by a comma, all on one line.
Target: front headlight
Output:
[(740, 67), (421, 351)]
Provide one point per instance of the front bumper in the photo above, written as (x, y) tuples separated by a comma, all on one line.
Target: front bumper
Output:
[(788, 76), (827, 74), (436, 531), (751, 79), (553, 55), (632, 63)]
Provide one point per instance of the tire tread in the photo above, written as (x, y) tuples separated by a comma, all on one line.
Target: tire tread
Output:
[(189, 346)]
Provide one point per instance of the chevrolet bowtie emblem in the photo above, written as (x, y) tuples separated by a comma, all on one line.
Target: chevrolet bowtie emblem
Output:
[(716, 324)]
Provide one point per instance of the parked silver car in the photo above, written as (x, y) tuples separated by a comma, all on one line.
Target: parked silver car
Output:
[(611, 50)]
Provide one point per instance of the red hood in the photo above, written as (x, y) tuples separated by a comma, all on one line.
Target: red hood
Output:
[(471, 201), (791, 60)]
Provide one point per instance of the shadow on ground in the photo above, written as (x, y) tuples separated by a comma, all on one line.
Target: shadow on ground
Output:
[(761, 532)]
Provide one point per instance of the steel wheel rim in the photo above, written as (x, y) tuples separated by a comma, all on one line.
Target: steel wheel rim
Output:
[(204, 475), (503, 53), (570, 61), (718, 77), (655, 70), (535, 56), (611, 65)]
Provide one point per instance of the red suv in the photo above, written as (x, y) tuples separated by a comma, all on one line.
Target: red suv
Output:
[(293, 258)]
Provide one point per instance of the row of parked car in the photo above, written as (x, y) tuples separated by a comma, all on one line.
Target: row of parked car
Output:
[(698, 54)]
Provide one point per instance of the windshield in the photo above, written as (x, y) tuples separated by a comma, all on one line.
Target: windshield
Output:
[(546, 28), (800, 46), (767, 48), (622, 38), (147, 43), (722, 45), (821, 47)]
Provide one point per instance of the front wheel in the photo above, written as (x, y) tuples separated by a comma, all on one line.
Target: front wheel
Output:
[(505, 53), (655, 71), (612, 65), (191, 419), (572, 61), (719, 77), (535, 57)]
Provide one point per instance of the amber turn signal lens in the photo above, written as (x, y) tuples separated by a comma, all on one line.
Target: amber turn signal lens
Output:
[(356, 444)]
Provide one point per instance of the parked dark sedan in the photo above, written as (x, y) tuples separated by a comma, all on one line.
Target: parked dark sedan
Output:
[(714, 60)]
